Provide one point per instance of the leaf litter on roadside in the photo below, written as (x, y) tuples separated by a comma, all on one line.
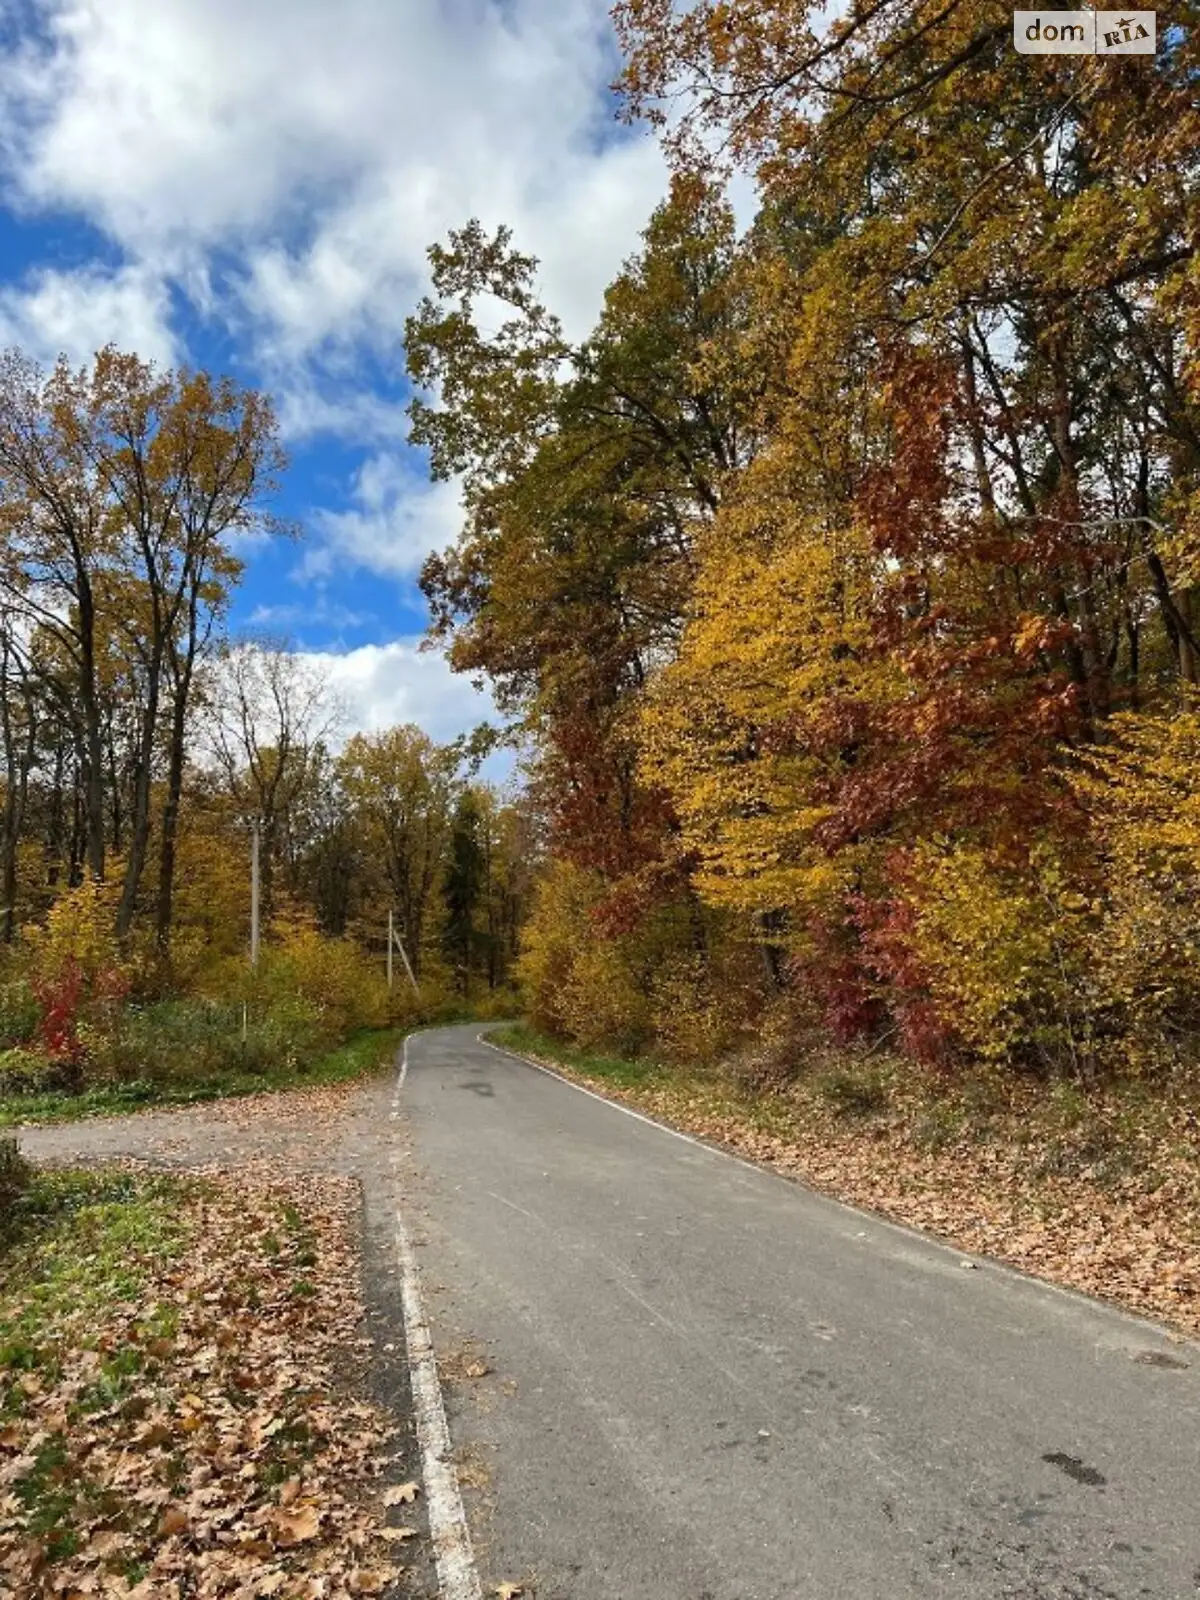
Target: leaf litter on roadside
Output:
[(204, 1435)]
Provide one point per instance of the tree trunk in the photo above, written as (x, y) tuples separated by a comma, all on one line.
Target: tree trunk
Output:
[(93, 752), (139, 833), (170, 820)]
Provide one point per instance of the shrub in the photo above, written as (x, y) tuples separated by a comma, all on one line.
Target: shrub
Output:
[(565, 899), (854, 1092), (778, 1046), (14, 1173), (498, 1005), (19, 1012), (328, 982), (1143, 954), (696, 1020), (193, 1042), (24, 1071)]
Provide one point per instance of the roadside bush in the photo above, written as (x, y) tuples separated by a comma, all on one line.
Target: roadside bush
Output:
[(323, 984), (1143, 955), (497, 1005), (1004, 952), (779, 1046), (197, 1041), (695, 1019), (19, 1013), (77, 974), (14, 1173), (24, 1071), (566, 896)]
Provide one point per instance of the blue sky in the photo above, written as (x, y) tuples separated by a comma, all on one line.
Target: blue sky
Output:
[(250, 186)]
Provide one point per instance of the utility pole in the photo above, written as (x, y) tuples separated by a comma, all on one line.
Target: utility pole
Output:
[(254, 897), (391, 937)]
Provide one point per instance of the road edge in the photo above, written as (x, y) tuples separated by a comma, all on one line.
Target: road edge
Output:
[(453, 1554)]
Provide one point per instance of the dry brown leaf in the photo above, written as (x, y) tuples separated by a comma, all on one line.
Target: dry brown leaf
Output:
[(295, 1527), (102, 1545), (508, 1591), (373, 1581), (174, 1520), (401, 1494), (398, 1535), (253, 1377)]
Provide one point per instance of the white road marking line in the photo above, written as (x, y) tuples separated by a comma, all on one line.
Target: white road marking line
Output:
[(452, 1552)]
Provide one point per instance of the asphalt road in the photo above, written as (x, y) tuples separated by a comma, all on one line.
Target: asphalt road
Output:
[(709, 1384)]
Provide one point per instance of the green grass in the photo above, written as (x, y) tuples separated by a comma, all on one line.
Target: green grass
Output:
[(622, 1074), (362, 1054), (73, 1246), (72, 1243)]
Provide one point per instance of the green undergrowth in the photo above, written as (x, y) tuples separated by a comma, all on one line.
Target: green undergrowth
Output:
[(359, 1056), (74, 1242)]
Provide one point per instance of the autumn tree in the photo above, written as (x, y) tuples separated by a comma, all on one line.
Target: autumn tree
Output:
[(400, 787), (120, 487), (574, 566), (271, 718)]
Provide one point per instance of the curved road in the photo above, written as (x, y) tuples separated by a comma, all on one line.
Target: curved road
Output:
[(709, 1384)]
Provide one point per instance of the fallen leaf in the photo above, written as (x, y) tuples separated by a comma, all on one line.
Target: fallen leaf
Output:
[(369, 1582), (294, 1527), (402, 1494)]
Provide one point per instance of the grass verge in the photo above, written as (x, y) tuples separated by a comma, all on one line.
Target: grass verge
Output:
[(359, 1056), (621, 1074), (1098, 1190)]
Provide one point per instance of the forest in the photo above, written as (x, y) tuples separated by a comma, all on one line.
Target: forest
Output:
[(840, 589), (144, 747), (846, 577)]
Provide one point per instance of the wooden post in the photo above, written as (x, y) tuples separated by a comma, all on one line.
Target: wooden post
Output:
[(404, 957)]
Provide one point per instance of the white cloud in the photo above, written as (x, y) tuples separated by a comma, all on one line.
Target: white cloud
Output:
[(76, 313), (379, 686), (317, 608), (395, 521), (313, 151), (283, 165)]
